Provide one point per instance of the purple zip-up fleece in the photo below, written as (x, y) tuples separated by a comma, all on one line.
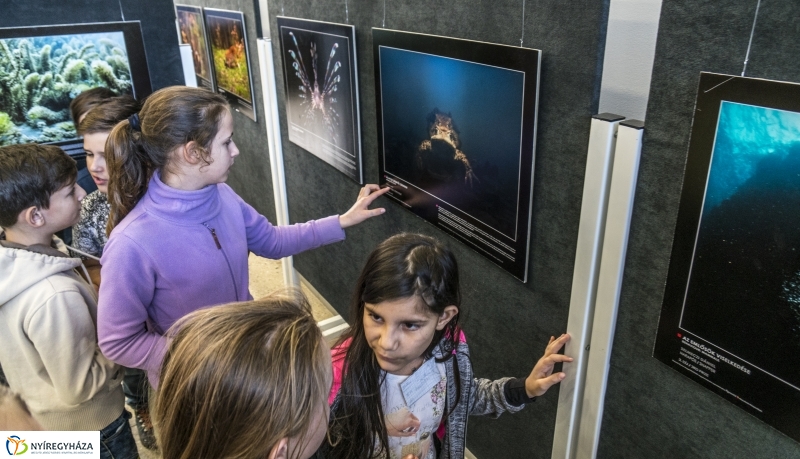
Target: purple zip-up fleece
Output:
[(179, 251)]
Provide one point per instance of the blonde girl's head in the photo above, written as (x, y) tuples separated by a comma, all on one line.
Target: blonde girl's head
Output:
[(170, 118), (245, 380), (14, 413)]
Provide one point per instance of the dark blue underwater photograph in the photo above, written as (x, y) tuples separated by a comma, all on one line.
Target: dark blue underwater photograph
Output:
[(744, 290), (453, 129)]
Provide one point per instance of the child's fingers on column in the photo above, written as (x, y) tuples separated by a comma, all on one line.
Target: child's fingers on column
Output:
[(553, 379)]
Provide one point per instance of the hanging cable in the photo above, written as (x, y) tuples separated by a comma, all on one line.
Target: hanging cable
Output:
[(522, 37), (121, 13), (750, 43)]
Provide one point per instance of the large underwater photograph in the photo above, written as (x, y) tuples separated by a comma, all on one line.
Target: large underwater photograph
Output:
[(40, 75), (745, 276), (457, 134), (193, 33), (731, 313), (231, 58), (320, 75)]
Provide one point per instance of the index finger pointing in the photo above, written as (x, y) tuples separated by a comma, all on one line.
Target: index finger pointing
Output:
[(373, 196)]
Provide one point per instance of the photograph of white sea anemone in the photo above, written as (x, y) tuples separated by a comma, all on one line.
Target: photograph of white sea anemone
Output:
[(319, 69)]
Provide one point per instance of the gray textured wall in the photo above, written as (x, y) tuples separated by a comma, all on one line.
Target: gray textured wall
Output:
[(507, 323), (251, 175), (651, 411)]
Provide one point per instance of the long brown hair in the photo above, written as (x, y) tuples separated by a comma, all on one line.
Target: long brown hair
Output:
[(169, 118), (238, 378), (403, 266), (107, 114), (87, 100)]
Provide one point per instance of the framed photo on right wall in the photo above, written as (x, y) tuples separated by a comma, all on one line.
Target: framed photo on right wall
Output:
[(456, 137), (731, 313)]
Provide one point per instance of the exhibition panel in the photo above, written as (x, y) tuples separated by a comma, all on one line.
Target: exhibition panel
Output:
[(731, 313), (460, 155), (45, 67), (501, 316), (230, 56), (320, 70), (192, 31), (656, 410)]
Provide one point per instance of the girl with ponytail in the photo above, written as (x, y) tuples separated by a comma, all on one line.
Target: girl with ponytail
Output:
[(402, 379), (179, 237)]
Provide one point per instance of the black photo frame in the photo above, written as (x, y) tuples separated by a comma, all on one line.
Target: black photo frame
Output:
[(457, 135), (192, 32), (731, 313), (320, 72), (80, 56), (230, 57)]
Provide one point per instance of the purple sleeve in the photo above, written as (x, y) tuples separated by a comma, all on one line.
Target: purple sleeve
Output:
[(266, 240), (127, 288)]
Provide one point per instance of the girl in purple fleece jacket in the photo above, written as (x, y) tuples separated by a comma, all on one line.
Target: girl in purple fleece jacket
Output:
[(180, 237)]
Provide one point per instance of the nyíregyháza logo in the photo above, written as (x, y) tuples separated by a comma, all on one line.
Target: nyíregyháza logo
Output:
[(16, 446)]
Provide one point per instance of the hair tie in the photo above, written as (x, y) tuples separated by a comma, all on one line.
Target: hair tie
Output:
[(134, 121)]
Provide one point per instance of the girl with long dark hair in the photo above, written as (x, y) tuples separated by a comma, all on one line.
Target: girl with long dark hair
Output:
[(403, 382)]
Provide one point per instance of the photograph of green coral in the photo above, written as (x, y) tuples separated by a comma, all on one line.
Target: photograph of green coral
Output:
[(41, 72)]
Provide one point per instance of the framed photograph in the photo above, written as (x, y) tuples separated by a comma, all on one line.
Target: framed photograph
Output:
[(192, 32), (456, 137), (231, 57), (43, 68), (320, 73), (731, 313)]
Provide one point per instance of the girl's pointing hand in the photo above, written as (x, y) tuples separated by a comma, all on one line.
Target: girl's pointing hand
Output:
[(360, 210)]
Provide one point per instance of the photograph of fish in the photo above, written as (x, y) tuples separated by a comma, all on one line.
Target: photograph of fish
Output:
[(457, 134), (193, 33), (731, 313), (40, 75), (231, 58), (320, 75)]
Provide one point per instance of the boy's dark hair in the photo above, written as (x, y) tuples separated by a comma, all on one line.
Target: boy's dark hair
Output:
[(105, 115), (29, 175), (86, 100)]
